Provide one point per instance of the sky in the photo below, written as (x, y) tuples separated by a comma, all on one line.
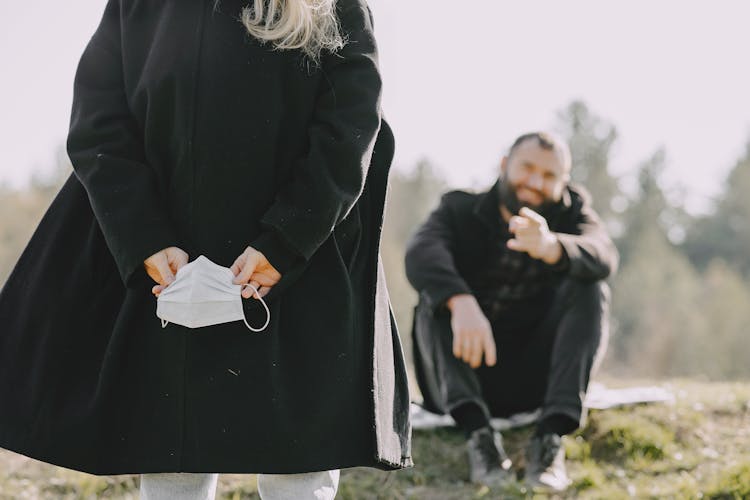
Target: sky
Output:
[(463, 79)]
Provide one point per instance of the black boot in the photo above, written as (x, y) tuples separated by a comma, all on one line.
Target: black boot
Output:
[(545, 464), (488, 463)]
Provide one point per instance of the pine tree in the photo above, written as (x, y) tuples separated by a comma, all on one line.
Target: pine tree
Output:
[(726, 232), (591, 139)]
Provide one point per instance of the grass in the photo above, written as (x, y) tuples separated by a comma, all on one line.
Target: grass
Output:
[(698, 447)]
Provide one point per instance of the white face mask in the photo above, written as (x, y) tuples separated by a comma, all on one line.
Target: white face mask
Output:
[(203, 294)]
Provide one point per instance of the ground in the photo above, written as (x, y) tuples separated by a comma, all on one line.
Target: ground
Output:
[(698, 447)]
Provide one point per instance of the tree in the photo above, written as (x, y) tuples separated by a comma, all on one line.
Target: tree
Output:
[(725, 233), (591, 139), (646, 211), (656, 290)]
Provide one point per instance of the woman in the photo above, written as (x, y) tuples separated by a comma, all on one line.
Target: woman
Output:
[(251, 136)]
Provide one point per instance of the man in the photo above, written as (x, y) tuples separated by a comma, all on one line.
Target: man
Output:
[(513, 277)]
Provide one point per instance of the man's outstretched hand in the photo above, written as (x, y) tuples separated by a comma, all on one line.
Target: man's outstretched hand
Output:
[(532, 235)]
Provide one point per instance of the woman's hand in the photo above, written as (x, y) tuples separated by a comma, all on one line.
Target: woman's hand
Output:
[(163, 265), (252, 267)]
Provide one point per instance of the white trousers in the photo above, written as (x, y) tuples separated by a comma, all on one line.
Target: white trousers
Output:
[(202, 486)]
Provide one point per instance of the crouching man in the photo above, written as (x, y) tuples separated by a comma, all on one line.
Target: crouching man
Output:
[(513, 311)]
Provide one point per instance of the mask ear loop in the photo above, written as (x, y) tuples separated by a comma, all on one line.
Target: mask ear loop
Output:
[(165, 322), (263, 302)]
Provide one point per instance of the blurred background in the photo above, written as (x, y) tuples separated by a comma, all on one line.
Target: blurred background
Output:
[(653, 98)]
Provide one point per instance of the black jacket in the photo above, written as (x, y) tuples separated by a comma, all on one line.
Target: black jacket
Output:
[(452, 251), (186, 131)]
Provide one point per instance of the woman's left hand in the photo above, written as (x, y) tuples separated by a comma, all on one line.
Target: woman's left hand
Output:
[(252, 267)]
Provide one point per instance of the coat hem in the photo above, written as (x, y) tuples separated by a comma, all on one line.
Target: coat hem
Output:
[(18, 442)]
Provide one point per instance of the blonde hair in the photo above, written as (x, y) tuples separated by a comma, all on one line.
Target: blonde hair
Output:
[(309, 25)]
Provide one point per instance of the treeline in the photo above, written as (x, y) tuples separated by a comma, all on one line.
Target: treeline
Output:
[(681, 299)]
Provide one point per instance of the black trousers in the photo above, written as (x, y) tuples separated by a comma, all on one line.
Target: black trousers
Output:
[(547, 367)]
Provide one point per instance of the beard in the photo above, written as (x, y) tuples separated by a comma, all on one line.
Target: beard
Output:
[(509, 198)]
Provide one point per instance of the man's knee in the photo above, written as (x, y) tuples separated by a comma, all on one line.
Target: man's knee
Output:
[(583, 311), (590, 304)]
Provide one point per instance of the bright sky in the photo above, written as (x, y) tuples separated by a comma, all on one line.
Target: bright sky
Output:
[(462, 79)]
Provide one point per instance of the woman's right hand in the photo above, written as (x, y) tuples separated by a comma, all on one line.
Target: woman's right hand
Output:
[(163, 265)]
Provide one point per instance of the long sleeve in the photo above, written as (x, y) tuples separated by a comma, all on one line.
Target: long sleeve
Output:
[(106, 150), (328, 180), (590, 253), (430, 265)]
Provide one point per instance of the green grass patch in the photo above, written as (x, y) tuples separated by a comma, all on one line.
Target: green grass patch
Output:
[(576, 448), (618, 434), (730, 484), (587, 475)]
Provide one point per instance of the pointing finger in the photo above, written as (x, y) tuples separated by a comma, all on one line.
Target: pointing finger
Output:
[(532, 216)]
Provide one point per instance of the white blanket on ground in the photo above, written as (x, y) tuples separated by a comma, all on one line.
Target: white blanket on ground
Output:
[(598, 397)]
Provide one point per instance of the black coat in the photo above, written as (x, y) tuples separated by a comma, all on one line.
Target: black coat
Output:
[(185, 131)]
